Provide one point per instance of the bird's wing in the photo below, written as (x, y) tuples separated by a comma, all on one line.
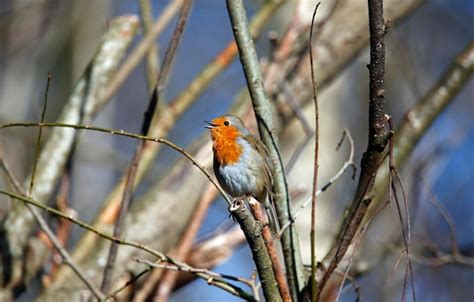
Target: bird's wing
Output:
[(262, 149), (268, 181)]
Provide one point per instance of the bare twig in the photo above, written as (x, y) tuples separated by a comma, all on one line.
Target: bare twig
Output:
[(406, 234), (119, 289), (316, 162), (214, 278), (443, 258), (446, 216), (357, 241), (38, 139), (348, 163)]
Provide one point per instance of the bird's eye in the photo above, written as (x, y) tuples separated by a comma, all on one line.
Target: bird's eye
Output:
[(226, 123)]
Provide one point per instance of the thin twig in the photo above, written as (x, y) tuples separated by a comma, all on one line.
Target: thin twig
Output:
[(357, 241), (214, 278), (446, 216), (38, 139), (406, 235), (348, 163), (119, 289), (316, 162)]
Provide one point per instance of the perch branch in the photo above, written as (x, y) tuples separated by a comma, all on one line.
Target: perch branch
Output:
[(272, 250), (253, 233)]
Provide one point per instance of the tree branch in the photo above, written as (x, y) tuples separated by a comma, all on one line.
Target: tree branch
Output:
[(253, 233)]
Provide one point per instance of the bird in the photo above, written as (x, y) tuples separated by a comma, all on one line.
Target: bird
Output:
[(242, 162)]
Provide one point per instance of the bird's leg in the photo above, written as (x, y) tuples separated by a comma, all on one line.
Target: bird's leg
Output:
[(236, 202)]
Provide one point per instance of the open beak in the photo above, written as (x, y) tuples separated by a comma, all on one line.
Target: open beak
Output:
[(210, 125)]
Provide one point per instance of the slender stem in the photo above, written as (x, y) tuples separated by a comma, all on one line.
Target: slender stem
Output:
[(214, 278), (38, 139), (316, 163)]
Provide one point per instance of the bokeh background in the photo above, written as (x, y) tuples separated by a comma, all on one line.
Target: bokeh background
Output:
[(62, 36)]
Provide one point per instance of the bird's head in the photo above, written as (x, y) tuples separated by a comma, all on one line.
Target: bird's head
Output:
[(227, 127)]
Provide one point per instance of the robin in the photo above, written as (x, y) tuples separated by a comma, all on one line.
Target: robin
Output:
[(241, 162)]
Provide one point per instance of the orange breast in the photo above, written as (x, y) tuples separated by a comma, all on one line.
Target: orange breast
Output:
[(226, 149)]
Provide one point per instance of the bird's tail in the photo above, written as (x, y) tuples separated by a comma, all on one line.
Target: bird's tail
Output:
[(272, 217)]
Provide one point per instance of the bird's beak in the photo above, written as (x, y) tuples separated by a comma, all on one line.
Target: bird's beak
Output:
[(210, 125)]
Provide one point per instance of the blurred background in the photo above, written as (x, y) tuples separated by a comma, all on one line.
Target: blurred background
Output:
[(37, 36)]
